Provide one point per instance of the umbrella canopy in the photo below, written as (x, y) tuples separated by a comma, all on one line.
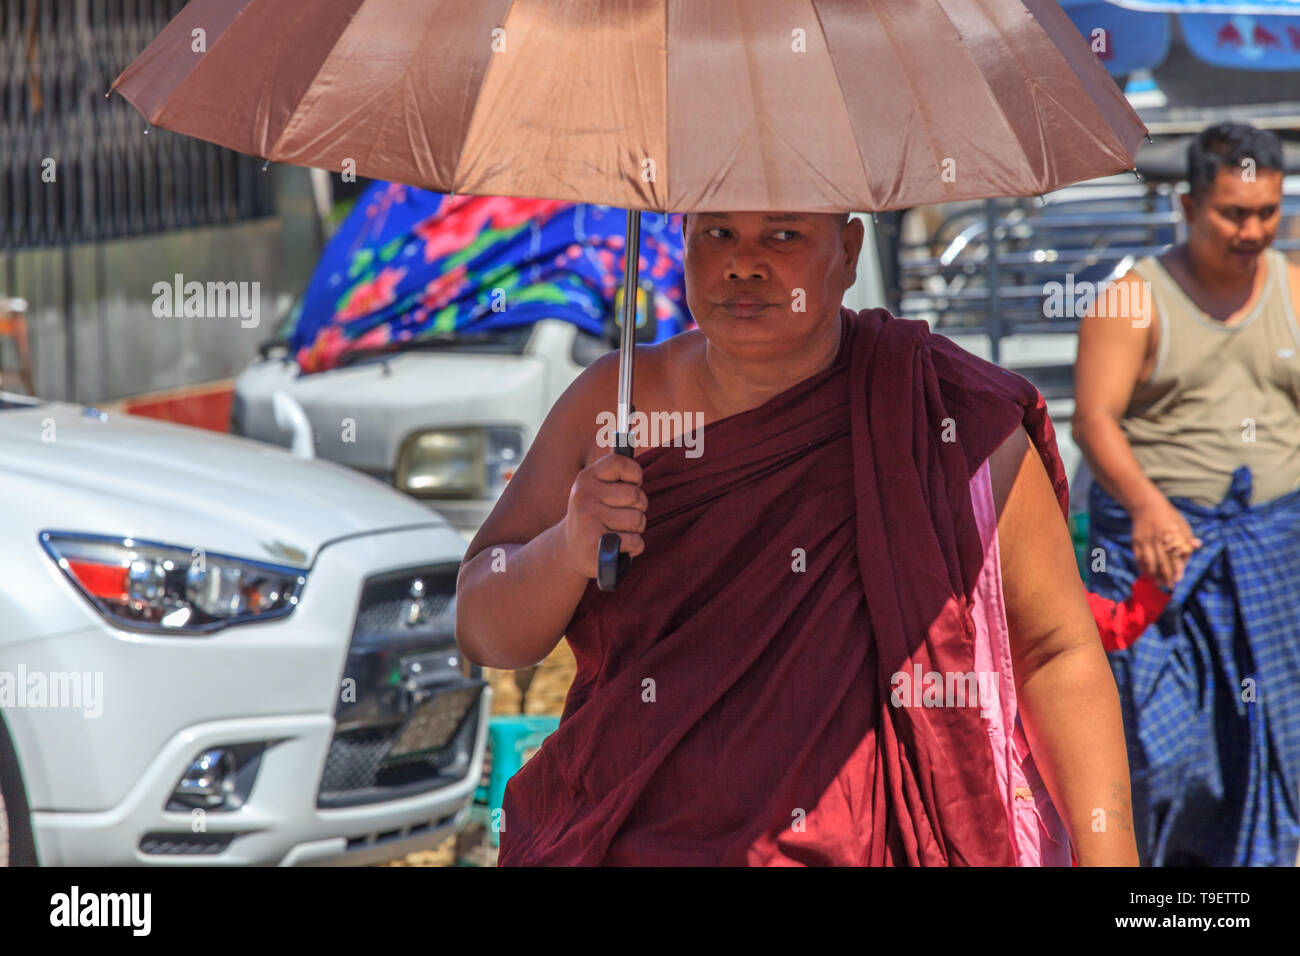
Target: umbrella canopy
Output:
[(408, 265), (663, 105)]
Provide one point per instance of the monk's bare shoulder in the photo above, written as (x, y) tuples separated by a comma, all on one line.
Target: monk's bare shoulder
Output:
[(1042, 592), (1005, 464), (654, 365), (656, 379)]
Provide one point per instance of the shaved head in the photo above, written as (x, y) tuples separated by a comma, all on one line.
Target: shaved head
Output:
[(841, 219)]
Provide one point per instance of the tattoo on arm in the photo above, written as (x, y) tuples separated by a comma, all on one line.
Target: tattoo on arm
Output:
[(1121, 808)]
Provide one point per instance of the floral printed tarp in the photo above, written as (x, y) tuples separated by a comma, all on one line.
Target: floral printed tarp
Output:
[(408, 264)]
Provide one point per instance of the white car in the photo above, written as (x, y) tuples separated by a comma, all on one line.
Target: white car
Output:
[(214, 652)]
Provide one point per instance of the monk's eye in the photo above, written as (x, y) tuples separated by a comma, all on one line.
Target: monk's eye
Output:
[(710, 232), (787, 232)]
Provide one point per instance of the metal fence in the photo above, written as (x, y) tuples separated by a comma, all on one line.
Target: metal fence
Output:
[(76, 166), (958, 280)]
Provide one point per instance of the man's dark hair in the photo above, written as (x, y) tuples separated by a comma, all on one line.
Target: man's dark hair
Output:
[(1224, 146)]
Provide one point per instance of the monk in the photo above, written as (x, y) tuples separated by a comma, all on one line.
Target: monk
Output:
[(852, 631)]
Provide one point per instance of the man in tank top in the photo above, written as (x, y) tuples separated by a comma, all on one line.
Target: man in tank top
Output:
[(1188, 414)]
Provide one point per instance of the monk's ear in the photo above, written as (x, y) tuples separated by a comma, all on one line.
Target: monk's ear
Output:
[(852, 235)]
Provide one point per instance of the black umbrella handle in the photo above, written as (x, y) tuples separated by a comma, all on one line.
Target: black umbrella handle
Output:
[(611, 563)]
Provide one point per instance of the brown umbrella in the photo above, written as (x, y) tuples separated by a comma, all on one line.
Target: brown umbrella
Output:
[(662, 105)]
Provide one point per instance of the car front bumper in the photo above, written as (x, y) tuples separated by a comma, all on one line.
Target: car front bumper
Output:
[(99, 780), (280, 822)]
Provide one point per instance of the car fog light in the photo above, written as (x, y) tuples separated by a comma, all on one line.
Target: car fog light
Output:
[(209, 781)]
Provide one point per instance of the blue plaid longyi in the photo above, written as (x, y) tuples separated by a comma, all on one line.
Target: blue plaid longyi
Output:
[(1215, 773)]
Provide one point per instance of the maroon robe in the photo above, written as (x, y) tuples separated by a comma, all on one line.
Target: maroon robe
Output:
[(730, 708)]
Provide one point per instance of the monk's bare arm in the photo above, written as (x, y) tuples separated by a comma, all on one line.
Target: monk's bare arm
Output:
[(1111, 353), (1066, 693), (516, 590)]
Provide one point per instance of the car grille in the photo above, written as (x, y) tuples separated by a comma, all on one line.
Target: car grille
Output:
[(185, 844), (404, 686)]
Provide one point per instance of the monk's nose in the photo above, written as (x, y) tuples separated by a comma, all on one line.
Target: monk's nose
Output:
[(745, 267)]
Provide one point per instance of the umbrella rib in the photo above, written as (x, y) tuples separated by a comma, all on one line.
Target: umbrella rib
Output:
[(293, 117), (1069, 114), (362, 109), (666, 201), (162, 105), (478, 104), (862, 162), (1009, 127), (423, 132), (1044, 153), (809, 167), (935, 152), (275, 146)]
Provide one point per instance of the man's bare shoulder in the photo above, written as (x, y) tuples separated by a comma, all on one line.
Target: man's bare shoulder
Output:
[(1293, 284), (1117, 338), (1125, 303)]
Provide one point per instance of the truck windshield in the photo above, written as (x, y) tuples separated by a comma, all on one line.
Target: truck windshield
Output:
[(508, 341)]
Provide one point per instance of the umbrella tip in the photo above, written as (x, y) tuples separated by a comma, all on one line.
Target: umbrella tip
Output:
[(1149, 139), (1136, 174), (146, 130), (873, 218), (266, 165)]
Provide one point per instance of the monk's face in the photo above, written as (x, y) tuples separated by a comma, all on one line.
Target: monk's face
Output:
[(763, 284)]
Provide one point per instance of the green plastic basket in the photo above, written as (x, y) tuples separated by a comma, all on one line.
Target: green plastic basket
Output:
[(511, 738)]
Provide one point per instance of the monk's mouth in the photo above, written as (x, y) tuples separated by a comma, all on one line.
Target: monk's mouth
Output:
[(746, 309)]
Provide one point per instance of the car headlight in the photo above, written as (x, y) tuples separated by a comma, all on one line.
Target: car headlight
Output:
[(458, 462), (144, 585)]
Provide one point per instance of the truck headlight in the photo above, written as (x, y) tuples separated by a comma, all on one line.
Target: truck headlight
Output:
[(143, 585), (458, 462)]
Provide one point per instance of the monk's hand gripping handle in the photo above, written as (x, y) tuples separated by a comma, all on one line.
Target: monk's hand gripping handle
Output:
[(610, 562)]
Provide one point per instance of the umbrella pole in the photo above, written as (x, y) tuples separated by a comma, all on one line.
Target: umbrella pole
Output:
[(610, 563)]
